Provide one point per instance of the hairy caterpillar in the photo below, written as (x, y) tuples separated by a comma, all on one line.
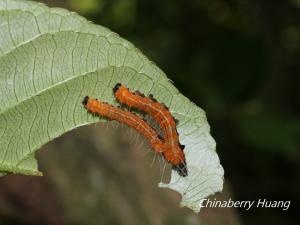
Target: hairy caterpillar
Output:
[(113, 113), (173, 150)]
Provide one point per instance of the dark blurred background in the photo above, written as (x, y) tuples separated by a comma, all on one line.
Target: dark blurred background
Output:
[(239, 61)]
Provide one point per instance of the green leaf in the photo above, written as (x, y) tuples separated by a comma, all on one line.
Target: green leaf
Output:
[(51, 58)]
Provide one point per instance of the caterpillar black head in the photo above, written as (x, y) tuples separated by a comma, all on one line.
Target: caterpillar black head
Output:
[(85, 100), (116, 88)]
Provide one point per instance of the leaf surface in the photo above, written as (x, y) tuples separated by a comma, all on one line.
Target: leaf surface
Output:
[(51, 58)]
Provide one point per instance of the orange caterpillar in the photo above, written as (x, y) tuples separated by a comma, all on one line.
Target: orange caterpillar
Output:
[(173, 150), (128, 118)]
